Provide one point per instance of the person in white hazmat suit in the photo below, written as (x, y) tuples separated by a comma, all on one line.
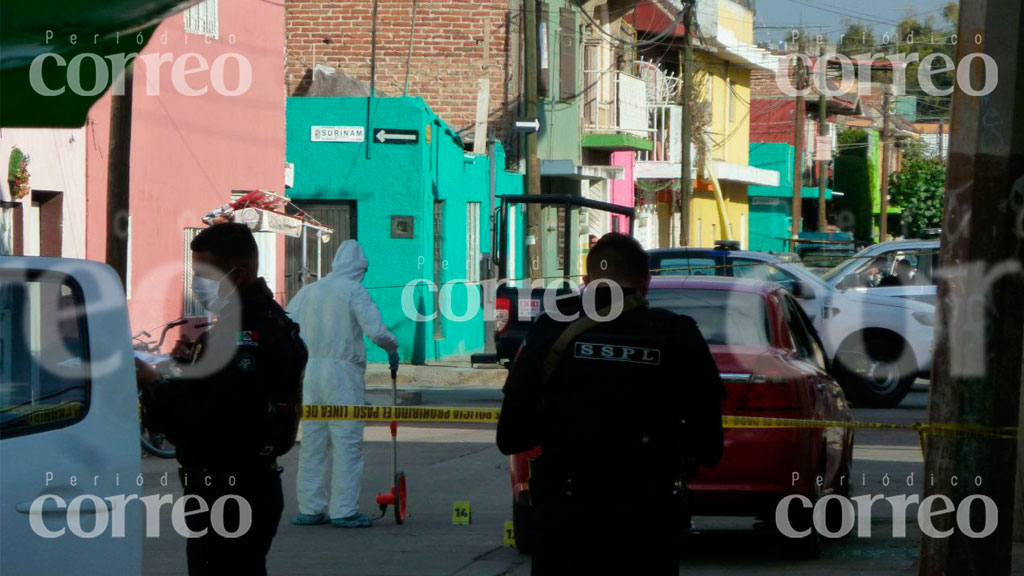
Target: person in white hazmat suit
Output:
[(333, 314)]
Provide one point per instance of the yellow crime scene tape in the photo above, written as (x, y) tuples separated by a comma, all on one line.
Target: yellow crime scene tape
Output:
[(450, 414)]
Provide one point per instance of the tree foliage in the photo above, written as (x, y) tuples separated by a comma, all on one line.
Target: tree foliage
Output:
[(920, 189), (913, 35)]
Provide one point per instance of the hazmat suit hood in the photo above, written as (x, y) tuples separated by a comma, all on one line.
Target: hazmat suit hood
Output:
[(349, 262)]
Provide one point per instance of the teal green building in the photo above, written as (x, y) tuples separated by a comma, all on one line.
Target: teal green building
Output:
[(398, 179), (771, 207)]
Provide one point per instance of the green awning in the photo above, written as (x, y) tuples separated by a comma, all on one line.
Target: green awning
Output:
[(81, 34), (613, 142)]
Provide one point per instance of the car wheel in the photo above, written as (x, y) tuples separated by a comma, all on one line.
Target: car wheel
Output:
[(877, 373), (523, 524)]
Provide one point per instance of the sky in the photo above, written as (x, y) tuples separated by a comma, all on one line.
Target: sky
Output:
[(828, 16)]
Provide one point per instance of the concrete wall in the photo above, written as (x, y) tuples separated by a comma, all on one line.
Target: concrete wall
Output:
[(189, 152), (402, 180), (56, 164)]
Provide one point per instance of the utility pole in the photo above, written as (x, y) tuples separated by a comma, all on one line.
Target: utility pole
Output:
[(799, 111), (942, 134), (822, 131), (883, 225), (979, 337), (119, 177), (534, 250), (487, 265), (373, 80), (685, 181)]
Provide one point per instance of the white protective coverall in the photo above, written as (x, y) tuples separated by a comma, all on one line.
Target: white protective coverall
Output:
[(334, 313)]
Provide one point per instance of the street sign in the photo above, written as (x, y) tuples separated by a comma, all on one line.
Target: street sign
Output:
[(528, 125), (395, 136), (823, 148), (337, 134)]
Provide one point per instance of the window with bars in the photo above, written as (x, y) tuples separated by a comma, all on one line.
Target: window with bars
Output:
[(438, 265), (191, 306), (202, 19)]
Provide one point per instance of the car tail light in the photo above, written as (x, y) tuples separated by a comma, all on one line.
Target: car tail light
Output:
[(502, 308), (770, 389)]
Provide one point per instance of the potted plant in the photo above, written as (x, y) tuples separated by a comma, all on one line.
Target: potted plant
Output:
[(17, 174)]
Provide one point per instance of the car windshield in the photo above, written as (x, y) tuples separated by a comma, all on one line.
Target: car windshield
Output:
[(846, 265), (723, 316)]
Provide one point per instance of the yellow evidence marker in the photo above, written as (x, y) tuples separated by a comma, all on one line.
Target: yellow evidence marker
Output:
[(460, 513), (510, 535)]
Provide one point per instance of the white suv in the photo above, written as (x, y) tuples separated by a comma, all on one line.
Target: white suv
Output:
[(878, 345), (903, 268)]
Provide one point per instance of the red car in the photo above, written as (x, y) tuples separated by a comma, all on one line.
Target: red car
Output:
[(773, 365)]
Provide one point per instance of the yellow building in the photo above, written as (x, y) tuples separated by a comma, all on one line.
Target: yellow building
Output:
[(721, 172)]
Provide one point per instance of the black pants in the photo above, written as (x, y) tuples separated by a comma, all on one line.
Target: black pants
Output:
[(215, 554), (596, 536)]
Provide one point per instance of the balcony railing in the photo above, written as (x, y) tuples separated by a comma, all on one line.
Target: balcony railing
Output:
[(613, 101), (665, 122)]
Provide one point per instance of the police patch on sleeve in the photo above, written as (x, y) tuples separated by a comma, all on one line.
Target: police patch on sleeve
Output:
[(617, 353), (245, 362)]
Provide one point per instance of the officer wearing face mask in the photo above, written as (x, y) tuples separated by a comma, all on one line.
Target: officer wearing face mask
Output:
[(234, 409)]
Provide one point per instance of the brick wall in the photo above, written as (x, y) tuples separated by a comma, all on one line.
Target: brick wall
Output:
[(449, 52)]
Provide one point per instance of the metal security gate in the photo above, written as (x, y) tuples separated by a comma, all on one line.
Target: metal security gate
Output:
[(339, 215)]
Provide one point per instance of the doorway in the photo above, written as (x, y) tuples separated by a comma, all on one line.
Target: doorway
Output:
[(337, 214)]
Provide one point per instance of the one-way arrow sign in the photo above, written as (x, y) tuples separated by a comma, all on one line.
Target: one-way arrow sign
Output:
[(528, 126), (395, 136)]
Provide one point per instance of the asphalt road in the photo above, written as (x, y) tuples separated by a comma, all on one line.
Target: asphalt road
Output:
[(447, 463)]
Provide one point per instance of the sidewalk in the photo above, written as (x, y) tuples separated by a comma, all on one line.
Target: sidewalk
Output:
[(451, 373)]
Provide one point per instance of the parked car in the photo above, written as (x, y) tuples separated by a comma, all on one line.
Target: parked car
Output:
[(773, 365), (902, 268), (69, 420), (878, 345)]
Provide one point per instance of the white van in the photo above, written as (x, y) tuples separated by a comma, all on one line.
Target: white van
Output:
[(69, 432)]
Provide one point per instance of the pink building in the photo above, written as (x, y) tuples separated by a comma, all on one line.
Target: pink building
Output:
[(208, 119), (623, 190)]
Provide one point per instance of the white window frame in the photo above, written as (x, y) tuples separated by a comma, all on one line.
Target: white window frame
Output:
[(128, 263), (473, 254), (203, 19)]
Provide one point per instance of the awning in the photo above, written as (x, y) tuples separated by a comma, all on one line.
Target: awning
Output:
[(742, 54), (571, 170), (650, 16), (744, 174), (68, 29), (264, 211), (725, 171)]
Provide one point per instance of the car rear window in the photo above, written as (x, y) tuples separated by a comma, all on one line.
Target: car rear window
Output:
[(724, 317), (684, 266)]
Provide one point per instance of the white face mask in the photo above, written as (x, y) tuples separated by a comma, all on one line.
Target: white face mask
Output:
[(207, 291)]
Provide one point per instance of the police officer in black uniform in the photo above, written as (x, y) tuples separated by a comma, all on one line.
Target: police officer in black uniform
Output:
[(621, 410), (234, 409)]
